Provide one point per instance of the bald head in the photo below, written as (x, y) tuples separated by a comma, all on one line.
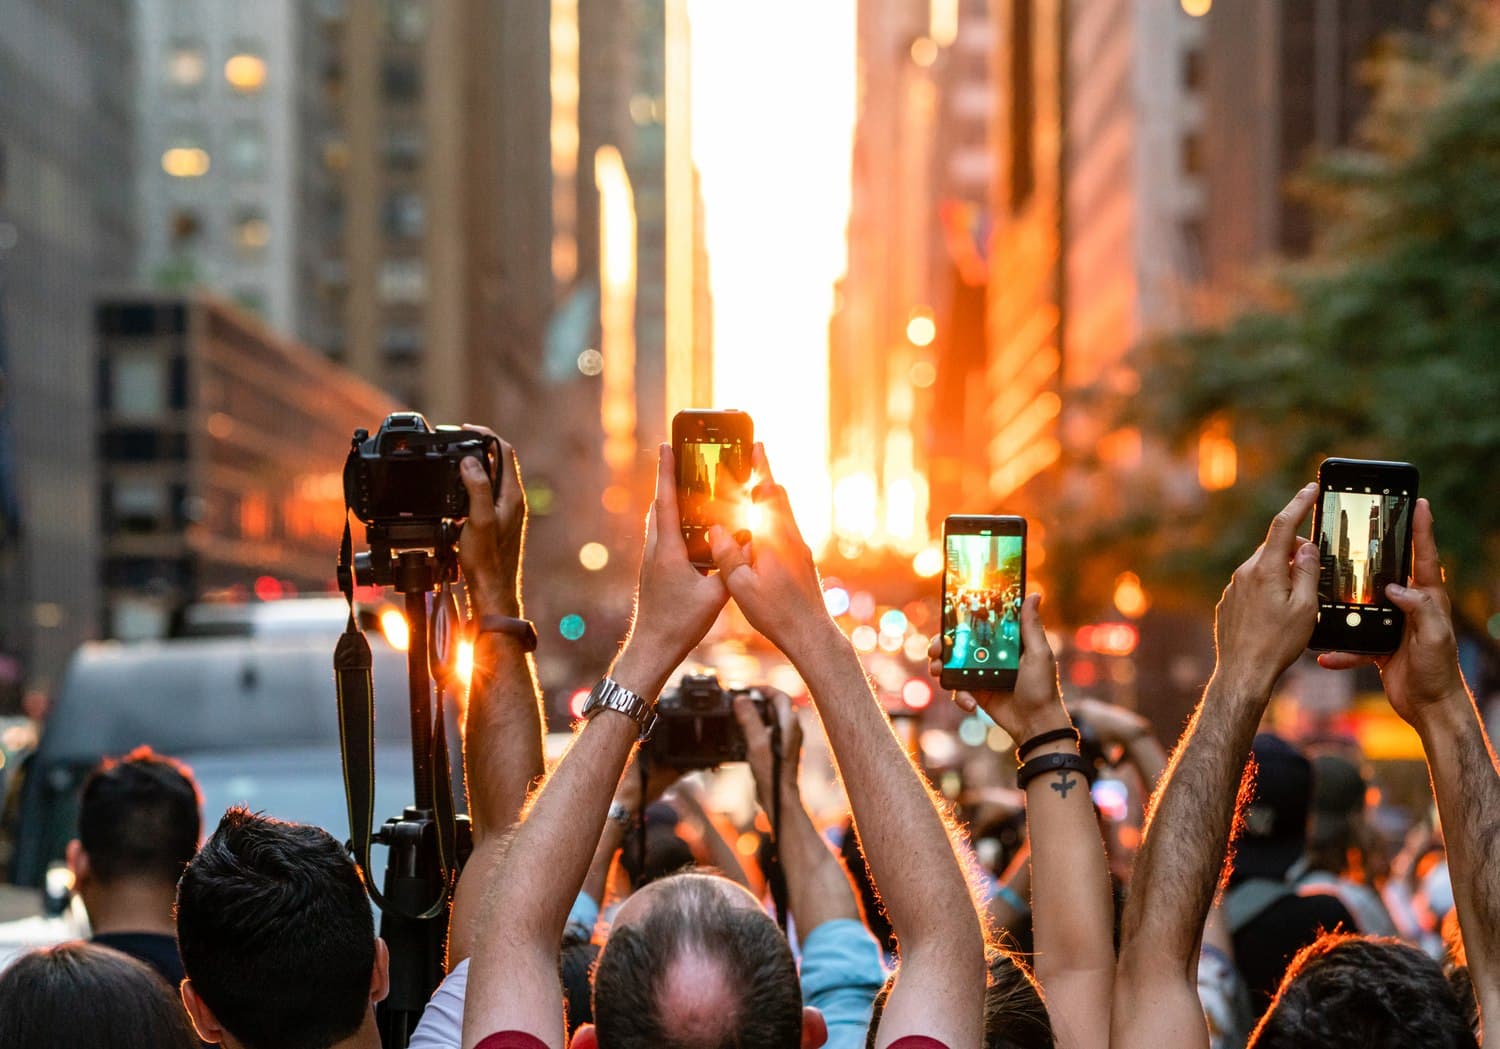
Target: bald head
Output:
[(693, 962)]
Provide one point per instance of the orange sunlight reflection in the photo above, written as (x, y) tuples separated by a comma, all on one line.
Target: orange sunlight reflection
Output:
[(773, 124)]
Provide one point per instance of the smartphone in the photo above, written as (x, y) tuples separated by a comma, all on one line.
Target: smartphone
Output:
[(984, 582), (712, 451), (1362, 525)]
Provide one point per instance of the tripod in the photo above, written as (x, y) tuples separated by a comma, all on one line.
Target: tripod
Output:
[(427, 843)]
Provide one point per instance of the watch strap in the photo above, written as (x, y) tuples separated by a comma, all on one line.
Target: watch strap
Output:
[(609, 694), (523, 630)]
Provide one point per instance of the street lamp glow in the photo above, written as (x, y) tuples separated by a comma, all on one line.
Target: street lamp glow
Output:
[(185, 162), (593, 556), (1197, 8), (394, 626), (245, 73)]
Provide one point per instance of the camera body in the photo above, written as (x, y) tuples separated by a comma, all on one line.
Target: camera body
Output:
[(695, 724), (408, 471)]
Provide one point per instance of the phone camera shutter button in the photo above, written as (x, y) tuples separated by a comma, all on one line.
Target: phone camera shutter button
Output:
[(1352, 619)]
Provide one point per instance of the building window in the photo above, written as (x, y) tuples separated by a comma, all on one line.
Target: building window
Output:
[(403, 148), (400, 82), (186, 155), (186, 67), (405, 215), (401, 342), (246, 69), (137, 384), (139, 506), (247, 149), (251, 232), (1192, 153), (406, 20), (403, 280), (251, 298), (184, 227), (1192, 69)]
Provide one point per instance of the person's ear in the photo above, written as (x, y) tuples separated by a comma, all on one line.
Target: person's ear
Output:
[(204, 1021), (585, 1038), (380, 976), (814, 1028), (78, 861)]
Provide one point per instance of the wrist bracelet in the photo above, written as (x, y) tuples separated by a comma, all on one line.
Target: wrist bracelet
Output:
[(1042, 738), (1041, 765)]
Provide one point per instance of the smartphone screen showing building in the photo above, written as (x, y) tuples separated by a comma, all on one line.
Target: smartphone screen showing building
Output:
[(1362, 540), (711, 479), (982, 602)]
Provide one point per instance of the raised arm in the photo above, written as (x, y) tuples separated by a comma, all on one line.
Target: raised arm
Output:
[(513, 979), (817, 885), (1426, 687), (939, 991), (1263, 622), (503, 728), (1072, 907)]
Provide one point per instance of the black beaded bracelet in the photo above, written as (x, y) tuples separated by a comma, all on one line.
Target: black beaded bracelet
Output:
[(1042, 738), (1040, 766)]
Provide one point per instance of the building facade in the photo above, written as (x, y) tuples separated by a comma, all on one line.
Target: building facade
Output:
[(231, 120), (221, 451), (67, 227)]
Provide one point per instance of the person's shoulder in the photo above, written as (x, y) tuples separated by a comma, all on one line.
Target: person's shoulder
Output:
[(511, 1040), (1314, 908)]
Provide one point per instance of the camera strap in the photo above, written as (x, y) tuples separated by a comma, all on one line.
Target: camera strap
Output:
[(775, 873), (352, 666)]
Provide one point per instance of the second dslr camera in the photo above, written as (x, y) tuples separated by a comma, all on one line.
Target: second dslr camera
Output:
[(695, 724)]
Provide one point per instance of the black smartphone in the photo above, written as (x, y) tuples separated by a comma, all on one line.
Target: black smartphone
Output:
[(984, 582), (1362, 525), (712, 451)]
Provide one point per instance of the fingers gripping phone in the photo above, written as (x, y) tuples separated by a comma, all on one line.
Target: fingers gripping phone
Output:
[(984, 583), (712, 452), (1362, 525)]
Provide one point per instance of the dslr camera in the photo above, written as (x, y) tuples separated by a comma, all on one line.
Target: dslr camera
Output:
[(408, 472), (695, 725)]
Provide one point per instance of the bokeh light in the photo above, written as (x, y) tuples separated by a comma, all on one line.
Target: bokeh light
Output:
[(576, 702), (921, 330), (916, 694), (928, 563), (395, 628), (572, 627), (593, 556), (836, 600), (865, 638)]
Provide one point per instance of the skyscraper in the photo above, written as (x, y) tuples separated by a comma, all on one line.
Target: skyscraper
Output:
[(67, 227)]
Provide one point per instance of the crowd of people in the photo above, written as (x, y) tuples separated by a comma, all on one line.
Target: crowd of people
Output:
[(1240, 919)]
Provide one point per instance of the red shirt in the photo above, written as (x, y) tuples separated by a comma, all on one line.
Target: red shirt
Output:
[(512, 1040), (913, 1041)]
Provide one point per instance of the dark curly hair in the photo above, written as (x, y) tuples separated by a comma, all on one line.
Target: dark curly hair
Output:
[(1363, 992)]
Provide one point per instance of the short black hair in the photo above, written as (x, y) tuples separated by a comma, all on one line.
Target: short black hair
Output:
[(692, 915), (276, 933), (138, 817), (1015, 1017), (1363, 992), (86, 996), (577, 968)]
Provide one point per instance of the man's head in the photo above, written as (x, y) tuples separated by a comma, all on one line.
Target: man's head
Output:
[(138, 821), (1360, 992), (692, 962), (276, 937), (1015, 1017), (1275, 830), (1338, 805)]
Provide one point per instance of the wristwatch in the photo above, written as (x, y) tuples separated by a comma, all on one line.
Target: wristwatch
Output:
[(609, 694), (521, 629)]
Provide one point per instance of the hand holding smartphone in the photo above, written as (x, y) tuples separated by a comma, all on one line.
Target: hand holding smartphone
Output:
[(712, 453), (1362, 526), (984, 583)]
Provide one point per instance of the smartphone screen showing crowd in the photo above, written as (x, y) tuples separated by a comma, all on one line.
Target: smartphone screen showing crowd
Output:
[(712, 451), (1362, 526), (984, 581)]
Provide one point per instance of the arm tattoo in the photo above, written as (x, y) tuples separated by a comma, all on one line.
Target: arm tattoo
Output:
[(1065, 782)]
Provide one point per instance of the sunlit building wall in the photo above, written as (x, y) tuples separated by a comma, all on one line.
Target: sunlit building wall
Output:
[(876, 411), (1024, 314), (68, 227)]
